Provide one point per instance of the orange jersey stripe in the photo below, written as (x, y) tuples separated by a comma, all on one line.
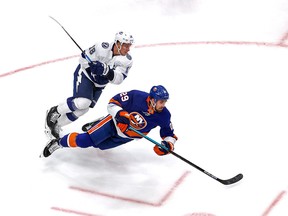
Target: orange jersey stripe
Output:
[(115, 102), (72, 140), (100, 124)]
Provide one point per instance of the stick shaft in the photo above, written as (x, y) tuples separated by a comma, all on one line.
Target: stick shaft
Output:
[(72, 39), (226, 182)]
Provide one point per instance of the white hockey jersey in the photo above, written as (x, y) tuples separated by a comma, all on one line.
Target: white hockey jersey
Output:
[(103, 52)]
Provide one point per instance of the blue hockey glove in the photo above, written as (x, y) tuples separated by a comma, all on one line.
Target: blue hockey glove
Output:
[(161, 151), (99, 68)]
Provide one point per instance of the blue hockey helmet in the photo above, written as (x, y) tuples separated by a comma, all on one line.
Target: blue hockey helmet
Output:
[(159, 92)]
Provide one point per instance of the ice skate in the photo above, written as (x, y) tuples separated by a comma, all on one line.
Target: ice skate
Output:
[(51, 146), (51, 126), (55, 133), (89, 125)]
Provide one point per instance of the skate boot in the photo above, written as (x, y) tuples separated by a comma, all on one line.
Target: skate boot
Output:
[(52, 146), (89, 125), (51, 122)]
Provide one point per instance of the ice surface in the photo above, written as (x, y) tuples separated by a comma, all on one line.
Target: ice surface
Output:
[(224, 64)]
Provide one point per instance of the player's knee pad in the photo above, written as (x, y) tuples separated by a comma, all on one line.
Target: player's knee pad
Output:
[(81, 112), (73, 116), (81, 103)]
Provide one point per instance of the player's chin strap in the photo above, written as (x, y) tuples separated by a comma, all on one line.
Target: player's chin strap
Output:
[(118, 48), (225, 182), (151, 105)]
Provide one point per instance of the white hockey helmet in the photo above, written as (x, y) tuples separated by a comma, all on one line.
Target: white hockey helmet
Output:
[(123, 37)]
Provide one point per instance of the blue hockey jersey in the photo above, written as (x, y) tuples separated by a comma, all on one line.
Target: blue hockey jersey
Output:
[(137, 104)]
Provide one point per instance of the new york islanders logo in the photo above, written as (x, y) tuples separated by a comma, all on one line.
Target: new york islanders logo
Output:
[(137, 121)]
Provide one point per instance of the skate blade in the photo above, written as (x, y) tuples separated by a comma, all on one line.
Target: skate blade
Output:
[(48, 134), (41, 155)]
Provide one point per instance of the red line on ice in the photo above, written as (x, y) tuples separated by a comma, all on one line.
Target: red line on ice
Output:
[(246, 43), (274, 203), (37, 65), (284, 39), (72, 211), (143, 202), (281, 43)]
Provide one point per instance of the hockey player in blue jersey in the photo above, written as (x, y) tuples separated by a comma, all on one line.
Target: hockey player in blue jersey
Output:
[(99, 65), (140, 110)]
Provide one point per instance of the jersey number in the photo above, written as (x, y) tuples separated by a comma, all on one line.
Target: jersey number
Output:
[(124, 96)]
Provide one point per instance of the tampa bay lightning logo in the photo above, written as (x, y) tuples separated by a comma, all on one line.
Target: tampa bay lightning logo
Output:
[(137, 121), (105, 45), (129, 57)]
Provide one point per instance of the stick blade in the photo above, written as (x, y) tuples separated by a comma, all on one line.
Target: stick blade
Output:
[(231, 180)]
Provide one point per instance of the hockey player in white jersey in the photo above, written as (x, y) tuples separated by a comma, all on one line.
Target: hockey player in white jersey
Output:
[(99, 65)]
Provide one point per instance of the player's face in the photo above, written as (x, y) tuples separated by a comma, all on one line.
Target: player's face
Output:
[(125, 48), (160, 104)]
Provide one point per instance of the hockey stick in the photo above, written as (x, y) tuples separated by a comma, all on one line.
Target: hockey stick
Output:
[(72, 39), (225, 182)]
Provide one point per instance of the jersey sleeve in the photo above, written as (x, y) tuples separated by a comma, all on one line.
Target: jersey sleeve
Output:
[(99, 51), (167, 130), (121, 69), (119, 102)]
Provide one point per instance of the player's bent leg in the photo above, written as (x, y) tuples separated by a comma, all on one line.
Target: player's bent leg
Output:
[(81, 103), (74, 108), (113, 142), (73, 140), (104, 129), (71, 117), (72, 104), (63, 120)]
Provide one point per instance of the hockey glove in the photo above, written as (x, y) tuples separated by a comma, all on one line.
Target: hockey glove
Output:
[(161, 151), (123, 120), (99, 68)]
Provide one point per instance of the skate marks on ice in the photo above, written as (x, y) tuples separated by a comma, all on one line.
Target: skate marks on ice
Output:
[(126, 175)]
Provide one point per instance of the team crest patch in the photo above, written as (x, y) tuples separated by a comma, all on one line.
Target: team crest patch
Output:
[(137, 121), (105, 45), (129, 57)]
